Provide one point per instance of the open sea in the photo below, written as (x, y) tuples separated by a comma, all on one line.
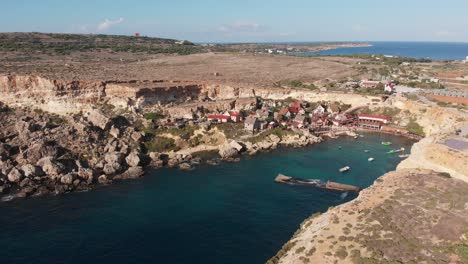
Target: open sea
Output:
[(231, 213), (419, 50)]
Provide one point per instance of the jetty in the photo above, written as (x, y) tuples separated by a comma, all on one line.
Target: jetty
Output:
[(329, 185)]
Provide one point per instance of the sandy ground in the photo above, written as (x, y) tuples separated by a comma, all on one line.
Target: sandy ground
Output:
[(231, 67)]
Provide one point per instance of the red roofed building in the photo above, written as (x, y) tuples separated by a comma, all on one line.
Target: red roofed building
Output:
[(235, 116), (369, 121), (296, 107), (219, 118)]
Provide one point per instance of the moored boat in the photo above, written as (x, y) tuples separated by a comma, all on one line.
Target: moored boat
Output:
[(396, 150), (344, 169), (386, 143), (370, 159)]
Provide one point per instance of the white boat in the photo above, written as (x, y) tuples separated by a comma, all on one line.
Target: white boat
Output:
[(344, 169), (370, 159), (403, 156), (366, 151)]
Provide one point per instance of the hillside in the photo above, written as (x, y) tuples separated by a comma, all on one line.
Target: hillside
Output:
[(48, 43)]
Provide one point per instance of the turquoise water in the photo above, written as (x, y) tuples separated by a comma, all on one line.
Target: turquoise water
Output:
[(232, 213), (419, 50)]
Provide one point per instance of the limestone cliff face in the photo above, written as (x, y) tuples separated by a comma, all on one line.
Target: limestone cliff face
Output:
[(434, 119), (438, 124), (62, 96), (56, 96)]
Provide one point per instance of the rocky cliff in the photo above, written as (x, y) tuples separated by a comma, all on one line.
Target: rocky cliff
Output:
[(65, 96), (56, 96), (406, 216), (416, 214)]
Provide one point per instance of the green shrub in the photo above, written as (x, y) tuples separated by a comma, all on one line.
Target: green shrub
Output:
[(444, 175), (300, 250), (154, 116), (415, 128), (161, 144), (462, 251)]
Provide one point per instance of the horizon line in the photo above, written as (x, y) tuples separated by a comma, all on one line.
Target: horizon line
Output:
[(244, 42)]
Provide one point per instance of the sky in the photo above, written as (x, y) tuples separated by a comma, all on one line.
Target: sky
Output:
[(245, 21)]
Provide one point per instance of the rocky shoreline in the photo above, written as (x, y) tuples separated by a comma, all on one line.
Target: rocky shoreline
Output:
[(42, 153), (415, 214)]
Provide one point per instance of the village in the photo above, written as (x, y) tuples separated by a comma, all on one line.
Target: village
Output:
[(298, 116)]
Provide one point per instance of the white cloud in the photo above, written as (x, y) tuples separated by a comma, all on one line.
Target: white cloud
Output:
[(108, 24)]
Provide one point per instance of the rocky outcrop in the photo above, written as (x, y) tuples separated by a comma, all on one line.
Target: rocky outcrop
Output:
[(98, 119), (414, 214), (56, 96), (405, 216)]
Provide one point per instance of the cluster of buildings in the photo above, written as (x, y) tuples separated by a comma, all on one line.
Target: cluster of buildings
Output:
[(280, 50), (299, 115), (388, 86)]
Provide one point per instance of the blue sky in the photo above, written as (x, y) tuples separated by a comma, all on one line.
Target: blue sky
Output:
[(244, 21)]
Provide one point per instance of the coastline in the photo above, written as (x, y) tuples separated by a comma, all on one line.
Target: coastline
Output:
[(429, 164)]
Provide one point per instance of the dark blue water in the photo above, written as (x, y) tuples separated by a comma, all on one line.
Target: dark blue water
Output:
[(418, 50), (232, 213)]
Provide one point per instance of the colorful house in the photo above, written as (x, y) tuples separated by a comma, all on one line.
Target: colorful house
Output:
[(220, 118)]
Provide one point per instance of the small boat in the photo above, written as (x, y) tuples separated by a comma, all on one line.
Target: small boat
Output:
[(361, 136), (344, 169), (403, 156), (339, 147), (356, 136), (370, 159), (396, 151), (386, 143), (366, 151)]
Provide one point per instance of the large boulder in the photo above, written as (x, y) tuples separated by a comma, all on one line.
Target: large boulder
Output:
[(265, 145), (32, 171), (114, 162), (274, 138), (155, 156), (15, 175), (131, 173), (236, 145), (50, 166), (115, 132), (110, 169), (226, 151), (185, 166), (103, 179), (98, 119), (39, 150), (86, 174), (133, 160), (114, 157), (68, 178)]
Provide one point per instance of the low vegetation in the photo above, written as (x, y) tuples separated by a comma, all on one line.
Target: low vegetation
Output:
[(281, 133), (387, 111), (154, 116), (296, 84), (415, 128), (66, 43), (161, 144)]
